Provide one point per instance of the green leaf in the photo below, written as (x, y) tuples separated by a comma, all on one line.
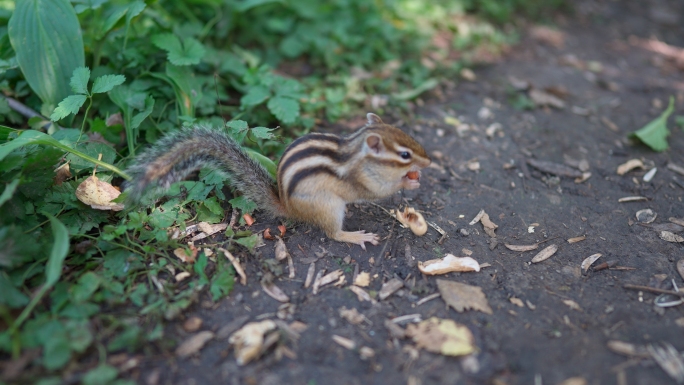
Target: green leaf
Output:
[(243, 204), (222, 283), (655, 133), (9, 191), (60, 248), (105, 83), (138, 118), (57, 352), (79, 80), (86, 287), (285, 109), (414, 93), (200, 267), (246, 5), (46, 37), (249, 242), (103, 374), (11, 296), (263, 132), (36, 137), (267, 163), (190, 52), (70, 105), (255, 96)]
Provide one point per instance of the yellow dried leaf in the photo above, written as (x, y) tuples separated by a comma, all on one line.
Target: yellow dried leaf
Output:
[(463, 297), (443, 336), (98, 194)]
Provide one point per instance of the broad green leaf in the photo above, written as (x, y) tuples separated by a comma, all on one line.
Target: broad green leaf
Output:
[(243, 204), (262, 132), (60, 248), (285, 109), (79, 80), (70, 105), (249, 242), (238, 130), (655, 133), (10, 188), (80, 335), (11, 296), (267, 163), (189, 52), (105, 83), (103, 374), (37, 137), (56, 352), (222, 282), (187, 87), (86, 287), (46, 37), (138, 118), (200, 266), (246, 5), (134, 9), (255, 96)]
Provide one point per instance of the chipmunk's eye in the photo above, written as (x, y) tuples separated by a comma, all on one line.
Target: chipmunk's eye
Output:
[(405, 155)]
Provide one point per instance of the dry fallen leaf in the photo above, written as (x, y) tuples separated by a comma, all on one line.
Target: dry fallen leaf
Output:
[(62, 173), (210, 229), (443, 336), (363, 279), (448, 264), (98, 194), (353, 316), (477, 217), (545, 254), (463, 297), (629, 166), (627, 349), (249, 340), (327, 279), (488, 225), (577, 239), (680, 267), (547, 35), (632, 199), (183, 255), (521, 247), (588, 261), (543, 98), (671, 237), (676, 221), (194, 343)]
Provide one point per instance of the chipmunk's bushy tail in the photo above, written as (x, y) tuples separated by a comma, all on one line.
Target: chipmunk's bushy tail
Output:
[(178, 154)]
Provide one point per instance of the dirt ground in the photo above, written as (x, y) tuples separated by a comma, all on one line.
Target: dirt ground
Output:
[(611, 83)]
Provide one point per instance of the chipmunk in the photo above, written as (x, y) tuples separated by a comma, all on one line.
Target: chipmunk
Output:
[(317, 175)]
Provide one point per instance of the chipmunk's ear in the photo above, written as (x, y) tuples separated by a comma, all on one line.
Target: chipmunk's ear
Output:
[(374, 143), (373, 119)]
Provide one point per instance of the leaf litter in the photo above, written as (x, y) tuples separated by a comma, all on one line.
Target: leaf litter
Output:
[(450, 263), (461, 296), (443, 336)]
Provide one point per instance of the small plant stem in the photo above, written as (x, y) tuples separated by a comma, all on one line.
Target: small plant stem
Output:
[(85, 117)]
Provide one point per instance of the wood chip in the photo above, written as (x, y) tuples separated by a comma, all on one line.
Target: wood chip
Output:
[(194, 344), (361, 294), (555, 168), (521, 247), (389, 288), (676, 221), (588, 261), (310, 275), (572, 304), (192, 324), (608, 123), (632, 199), (627, 349), (477, 217), (673, 167), (353, 316), (463, 297), (249, 340), (275, 292), (429, 298), (577, 239), (488, 225), (671, 237), (629, 166), (545, 254), (344, 342), (516, 301), (236, 264), (327, 279)]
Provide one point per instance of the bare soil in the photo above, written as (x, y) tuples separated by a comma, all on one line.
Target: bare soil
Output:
[(546, 341)]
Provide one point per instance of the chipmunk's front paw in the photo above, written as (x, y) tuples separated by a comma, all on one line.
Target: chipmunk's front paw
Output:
[(357, 238)]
